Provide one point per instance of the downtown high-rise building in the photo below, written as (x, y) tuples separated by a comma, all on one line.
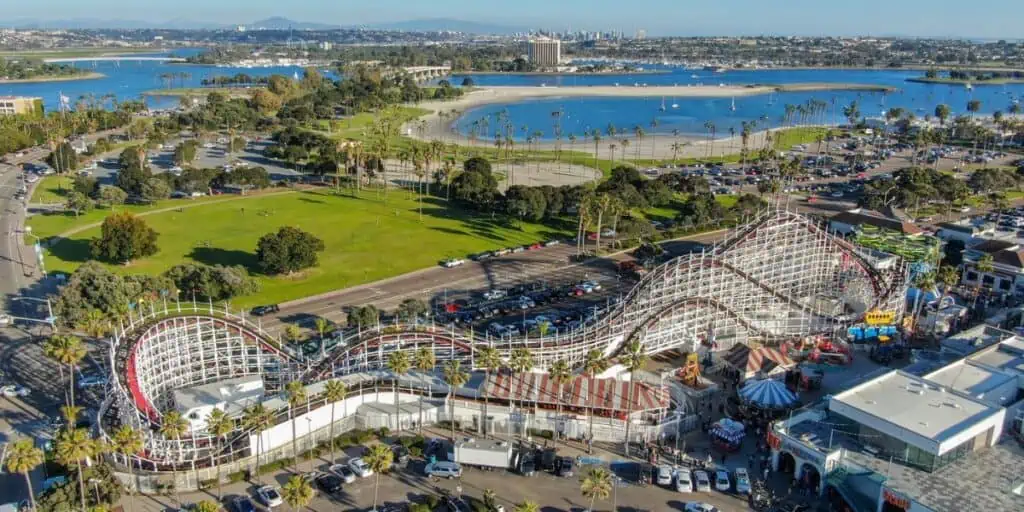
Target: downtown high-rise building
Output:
[(544, 52)]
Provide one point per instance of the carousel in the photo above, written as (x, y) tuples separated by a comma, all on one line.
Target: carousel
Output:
[(766, 399)]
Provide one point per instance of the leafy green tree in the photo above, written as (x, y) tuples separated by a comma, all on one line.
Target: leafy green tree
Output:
[(155, 189), (186, 152), (289, 250), (363, 316), (63, 159), (123, 237), (109, 196), (412, 309), (85, 185), (78, 203), (208, 506), (133, 179), (212, 282)]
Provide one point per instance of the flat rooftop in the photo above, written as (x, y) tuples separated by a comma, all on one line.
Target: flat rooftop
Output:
[(1008, 356), (916, 405), (987, 480), (236, 394), (969, 377), (975, 338)]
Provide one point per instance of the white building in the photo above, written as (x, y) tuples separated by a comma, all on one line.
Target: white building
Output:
[(231, 396), (1007, 274)]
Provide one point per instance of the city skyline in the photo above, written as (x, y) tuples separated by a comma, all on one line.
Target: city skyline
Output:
[(914, 18)]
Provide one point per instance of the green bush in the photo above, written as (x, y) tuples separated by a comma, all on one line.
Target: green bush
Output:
[(420, 507), (546, 434), (383, 432), (209, 483), (433, 501), (237, 476)]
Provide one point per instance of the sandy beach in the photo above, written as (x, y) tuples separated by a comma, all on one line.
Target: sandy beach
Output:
[(650, 147)]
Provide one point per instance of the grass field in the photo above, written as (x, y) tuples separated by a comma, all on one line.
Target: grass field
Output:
[(52, 189), (366, 240), (785, 139)]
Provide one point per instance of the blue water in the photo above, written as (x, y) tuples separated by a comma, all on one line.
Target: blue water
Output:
[(128, 80), (581, 115)]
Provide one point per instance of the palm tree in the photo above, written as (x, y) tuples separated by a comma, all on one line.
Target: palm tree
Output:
[(611, 151), (638, 131), (297, 395), (297, 492), (559, 372), (257, 418), (379, 460), (527, 506), (398, 363), (219, 425), (334, 391), (67, 350), (424, 361), (924, 282), (23, 457), (456, 377), (490, 499), (490, 360), (604, 204), (596, 485), (173, 427), (95, 324), (321, 324), (521, 361), (633, 360), (72, 446), (593, 364), (625, 146), (596, 136), (128, 441)]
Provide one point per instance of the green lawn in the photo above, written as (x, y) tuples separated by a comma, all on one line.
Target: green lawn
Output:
[(52, 189), (366, 240), (786, 138)]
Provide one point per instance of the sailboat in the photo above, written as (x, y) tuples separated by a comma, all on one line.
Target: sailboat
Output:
[(733, 107), (662, 104), (295, 75), (674, 104), (771, 97)]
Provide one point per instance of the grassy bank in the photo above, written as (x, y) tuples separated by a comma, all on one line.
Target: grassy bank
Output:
[(957, 81), (366, 239), (56, 78), (202, 92)]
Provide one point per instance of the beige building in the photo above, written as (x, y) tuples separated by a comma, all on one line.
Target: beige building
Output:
[(544, 52), (20, 105)]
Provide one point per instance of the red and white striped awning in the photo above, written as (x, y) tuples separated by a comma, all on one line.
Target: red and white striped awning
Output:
[(753, 361), (581, 392)]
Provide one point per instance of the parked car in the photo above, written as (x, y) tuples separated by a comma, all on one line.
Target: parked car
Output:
[(452, 262), (265, 310), (742, 481), (241, 504), (565, 467), (401, 453), (269, 495), (696, 506), (6, 320), (360, 467), (722, 482), (11, 391), (683, 481), (701, 481), (664, 475), (495, 294), (344, 472), (329, 483), (443, 469)]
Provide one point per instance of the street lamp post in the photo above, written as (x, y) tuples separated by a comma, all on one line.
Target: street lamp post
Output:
[(50, 319), (38, 248)]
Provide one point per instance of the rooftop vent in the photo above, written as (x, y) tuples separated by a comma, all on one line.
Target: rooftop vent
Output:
[(952, 404)]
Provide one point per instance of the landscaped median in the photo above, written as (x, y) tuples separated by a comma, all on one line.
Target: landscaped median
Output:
[(365, 238)]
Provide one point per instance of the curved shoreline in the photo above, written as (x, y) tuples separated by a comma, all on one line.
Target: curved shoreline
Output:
[(44, 79), (950, 81)]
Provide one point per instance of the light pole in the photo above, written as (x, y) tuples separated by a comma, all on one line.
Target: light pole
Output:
[(50, 319), (38, 248)]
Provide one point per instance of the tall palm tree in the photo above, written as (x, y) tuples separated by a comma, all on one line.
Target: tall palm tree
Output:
[(456, 377), (297, 395), (72, 446), (399, 364), (257, 418), (527, 506), (379, 460), (334, 391), (596, 485), (521, 362), (638, 131), (128, 441), (297, 492), (559, 372), (173, 427), (633, 360), (924, 282), (66, 350), (594, 363), (23, 457), (219, 425), (95, 324), (596, 137), (424, 361), (490, 360), (603, 204)]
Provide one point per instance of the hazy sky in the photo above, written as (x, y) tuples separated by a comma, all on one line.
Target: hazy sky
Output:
[(981, 18)]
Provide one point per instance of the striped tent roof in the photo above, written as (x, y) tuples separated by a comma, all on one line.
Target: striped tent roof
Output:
[(753, 361), (767, 393), (580, 391)]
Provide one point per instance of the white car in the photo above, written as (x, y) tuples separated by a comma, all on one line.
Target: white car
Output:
[(683, 481), (742, 481), (665, 475), (722, 482), (452, 262), (696, 506), (702, 482), (270, 495), (5, 320), (343, 472), (443, 469), (495, 294), (12, 391), (360, 467), (32, 178)]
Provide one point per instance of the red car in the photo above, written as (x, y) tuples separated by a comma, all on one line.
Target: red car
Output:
[(534, 247)]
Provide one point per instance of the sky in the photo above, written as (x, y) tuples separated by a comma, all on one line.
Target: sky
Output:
[(982, 18)]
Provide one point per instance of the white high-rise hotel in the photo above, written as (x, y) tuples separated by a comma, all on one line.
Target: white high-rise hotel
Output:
[(544, 52)]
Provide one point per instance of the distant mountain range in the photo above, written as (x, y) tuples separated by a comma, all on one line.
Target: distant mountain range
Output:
[(272, 23)]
